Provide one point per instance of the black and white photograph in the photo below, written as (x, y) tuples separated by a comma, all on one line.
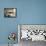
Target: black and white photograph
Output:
[(10, 12)]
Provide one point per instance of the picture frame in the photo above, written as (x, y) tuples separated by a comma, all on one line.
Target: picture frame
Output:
[(33, 30), (10, 12)]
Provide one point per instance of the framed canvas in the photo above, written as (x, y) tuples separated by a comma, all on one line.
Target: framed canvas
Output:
[(10, 12), (32, 32)]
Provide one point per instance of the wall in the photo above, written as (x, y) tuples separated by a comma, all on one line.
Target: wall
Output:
[(28, 12), (33, 12)]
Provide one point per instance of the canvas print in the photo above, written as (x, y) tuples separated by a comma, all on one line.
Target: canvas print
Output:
[(33, 32), (10, 12)]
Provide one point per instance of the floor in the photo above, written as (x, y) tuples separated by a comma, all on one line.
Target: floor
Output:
[(30, 43), (7, 45)]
